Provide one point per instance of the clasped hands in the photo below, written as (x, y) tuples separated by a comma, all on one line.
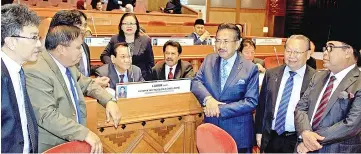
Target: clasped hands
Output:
[(310, 142), (212, 109)]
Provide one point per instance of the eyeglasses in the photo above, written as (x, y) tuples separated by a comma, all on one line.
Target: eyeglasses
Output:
[(296, 53), (129, 24), (226, 42), (125, 57), (36, 38), (330, 47)]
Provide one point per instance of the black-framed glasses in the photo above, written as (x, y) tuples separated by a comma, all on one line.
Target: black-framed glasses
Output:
[(36, 38), (297, 53), (330, 47), (129, 24), (226, 42)]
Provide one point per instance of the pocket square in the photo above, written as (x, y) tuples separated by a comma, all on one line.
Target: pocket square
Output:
[(241, 81)]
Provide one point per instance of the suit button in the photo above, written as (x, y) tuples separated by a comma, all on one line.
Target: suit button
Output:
[(21, 142)]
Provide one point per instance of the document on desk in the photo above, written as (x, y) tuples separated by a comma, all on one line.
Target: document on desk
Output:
[(154, 88)]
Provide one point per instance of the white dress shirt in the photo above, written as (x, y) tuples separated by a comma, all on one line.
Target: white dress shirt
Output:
[(84, 61), (295, 97), (167, 69), (14, 69), (63, 70), (339, 77)]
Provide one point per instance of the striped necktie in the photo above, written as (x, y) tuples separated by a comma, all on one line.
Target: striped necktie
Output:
[(224, 74)]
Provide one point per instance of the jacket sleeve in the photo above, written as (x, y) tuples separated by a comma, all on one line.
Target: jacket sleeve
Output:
[(197, 84), (246, 105), (261, 105), (188, 72)]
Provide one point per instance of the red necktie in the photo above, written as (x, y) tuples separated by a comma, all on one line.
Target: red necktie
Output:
[(322, 106), (170, 74)]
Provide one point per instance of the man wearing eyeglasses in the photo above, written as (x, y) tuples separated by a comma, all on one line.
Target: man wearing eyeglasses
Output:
[(19, 44), (121, 69), (282, 88), (227, 87), (328, 116)]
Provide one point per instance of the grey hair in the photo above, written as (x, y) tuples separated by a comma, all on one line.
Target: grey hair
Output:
[(14, 18), (61, 35), (303, 38), (230, 26)]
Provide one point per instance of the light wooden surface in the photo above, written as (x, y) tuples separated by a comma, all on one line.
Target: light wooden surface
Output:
[(151, 124)]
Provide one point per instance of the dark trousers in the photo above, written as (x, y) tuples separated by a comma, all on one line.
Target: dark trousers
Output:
[(244, 150), (284, 143)]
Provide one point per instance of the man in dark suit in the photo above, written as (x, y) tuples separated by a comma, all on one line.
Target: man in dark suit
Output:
[(172, 67), (328, 116), (19, 44), (280, 92), (227, 86), (200, 34), (121, 69)]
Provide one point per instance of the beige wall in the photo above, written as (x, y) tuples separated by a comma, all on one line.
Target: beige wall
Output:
[(220, 17)]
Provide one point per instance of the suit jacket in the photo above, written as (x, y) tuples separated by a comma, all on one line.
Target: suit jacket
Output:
[(240, 94), (176, 7), (258, 61), (268, 97), (142, 54), (341, 122), (184, 69), (112, 4), (12, 140), (196, 40), (311, 62), (52, 102), (108, 70)]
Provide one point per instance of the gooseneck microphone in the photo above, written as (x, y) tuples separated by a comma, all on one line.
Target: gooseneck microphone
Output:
[(278, 61)]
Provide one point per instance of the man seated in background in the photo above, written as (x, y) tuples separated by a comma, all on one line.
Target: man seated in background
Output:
[(172, 7), (247, 49), (172, 67), (124, 5), (121, 69), (200, 34)]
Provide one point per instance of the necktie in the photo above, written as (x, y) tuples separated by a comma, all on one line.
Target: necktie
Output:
[(170, 74), (121, 77), (283, 106), (76, 99), (224, 75), (31, 127), (322, 106)]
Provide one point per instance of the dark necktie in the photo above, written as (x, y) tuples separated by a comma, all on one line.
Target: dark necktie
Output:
[(283, 106), (76, 99), (31, 127), (121, 77), (170, 74), (322, 106)]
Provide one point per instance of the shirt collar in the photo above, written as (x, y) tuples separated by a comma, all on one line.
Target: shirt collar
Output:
[(10, 63), (60, 66), (301, 71), (167, 67), (118, 73), (232, 59), (340, 75)]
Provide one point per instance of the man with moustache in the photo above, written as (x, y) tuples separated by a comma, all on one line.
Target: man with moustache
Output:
[(121, 69), (281, 90), (328, 116), (200, 34), (172, 67), (19, 44), (227, 86), (56, 89)]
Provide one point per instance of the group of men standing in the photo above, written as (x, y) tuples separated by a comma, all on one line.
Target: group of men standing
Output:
[(297, 108)]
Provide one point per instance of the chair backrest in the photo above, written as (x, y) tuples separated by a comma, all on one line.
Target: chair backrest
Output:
[(212, 139), (271, 62), (71, 147), (157, 23)]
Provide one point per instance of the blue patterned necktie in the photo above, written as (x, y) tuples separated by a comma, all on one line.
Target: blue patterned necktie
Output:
[(76, 99), (224, 75), (31, 127), (283, 106)]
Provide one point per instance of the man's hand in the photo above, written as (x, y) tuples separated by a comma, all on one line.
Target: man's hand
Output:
[(205, 35), (212, 109), (310, 140), (259, 139), (261, 68), (112, 110), (171, 11), (102, 81), (94, 141), (301, 148)]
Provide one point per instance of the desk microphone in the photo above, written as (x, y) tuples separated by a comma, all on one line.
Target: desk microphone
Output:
[(95, 29), (278, 61)]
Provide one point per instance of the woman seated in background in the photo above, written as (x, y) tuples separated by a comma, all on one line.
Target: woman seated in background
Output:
[(97, 5), (140, 45), (247, 49), (172, 7), (81, 5)]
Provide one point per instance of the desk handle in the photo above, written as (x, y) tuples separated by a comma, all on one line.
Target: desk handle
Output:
[(144, 123), (162, 120), (123, 126)]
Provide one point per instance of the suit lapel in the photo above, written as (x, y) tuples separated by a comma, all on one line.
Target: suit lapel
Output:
[(162, 72), (114, 79), (137, 45), (130, 74), (178, 69), (237, 66), (316, 92), (57, 73), (217, 75), (276, 78), (306, 80), (346, 82)]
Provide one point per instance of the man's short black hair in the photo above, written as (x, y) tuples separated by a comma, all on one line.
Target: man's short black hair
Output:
[(116, 46), (66, 17), (173, 44), (230, 27), (61, 35)]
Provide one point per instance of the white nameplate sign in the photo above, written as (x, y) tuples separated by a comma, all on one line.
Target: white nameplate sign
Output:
[(97, 41), (268, 41), (160, 41), (156, 88)]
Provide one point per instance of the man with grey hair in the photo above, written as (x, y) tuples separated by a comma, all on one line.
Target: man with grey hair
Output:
[(282, 88), (19, 44), (56, 89)]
